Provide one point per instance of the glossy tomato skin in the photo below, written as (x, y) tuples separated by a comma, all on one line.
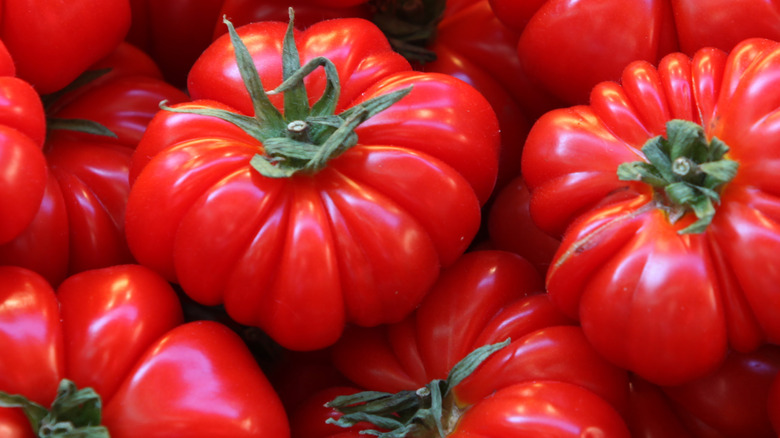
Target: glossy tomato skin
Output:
[(79, 223), (37, 364), (22, 131), (198, 380), (598, 38), (361, 240), (471, 44), (547, 379), (662, 304), (53, 43), (118, 330), (556, 409)]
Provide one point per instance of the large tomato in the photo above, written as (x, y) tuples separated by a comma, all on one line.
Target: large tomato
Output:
[(22, 164), (567, 47), (665, 187), (79, 222), (548, 381), (301, 236), (55, 42), (119, 331)]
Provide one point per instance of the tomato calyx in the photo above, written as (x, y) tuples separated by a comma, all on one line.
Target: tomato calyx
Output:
[(52, 100), (74, 413), (686, 171), (303, 138), (428, 411), (410, 25)]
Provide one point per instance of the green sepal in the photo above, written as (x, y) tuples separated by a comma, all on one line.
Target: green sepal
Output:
[(75, 413), (657, 154), (267, 167), (640, 171), (290, 148), (79, 125), (265, 112), (719, 171), (246, 123), (408, 412), (684, 140), (296, 101), (687, 171), (681, 193), (33, 411)]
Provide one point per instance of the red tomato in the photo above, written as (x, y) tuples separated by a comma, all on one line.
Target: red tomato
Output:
[(79, 223), (360, 240), (653, 295), (22, 164), (567, 47), (52, 43), (119, 331), (547, 380), (730, 402)]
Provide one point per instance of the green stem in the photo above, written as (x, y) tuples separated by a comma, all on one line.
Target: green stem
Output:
[(408, 413), (51, 103)]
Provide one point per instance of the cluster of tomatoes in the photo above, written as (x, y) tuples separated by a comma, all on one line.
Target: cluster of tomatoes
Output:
[(401, 218)]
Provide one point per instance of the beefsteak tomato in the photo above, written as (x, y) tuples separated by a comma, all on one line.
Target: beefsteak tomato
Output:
[(548, 381), (567, 47), (119, 331), (297, 220), (673, 261)]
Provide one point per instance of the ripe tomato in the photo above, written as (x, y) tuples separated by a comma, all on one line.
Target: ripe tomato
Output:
[(119, 331), (666, 268), (301, 251), (547, 380), (567, 47)]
